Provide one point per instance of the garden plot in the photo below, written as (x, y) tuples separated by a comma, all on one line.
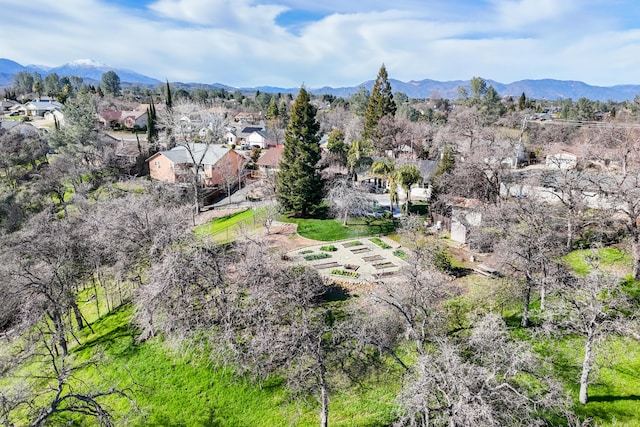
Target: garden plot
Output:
[(346, 260)]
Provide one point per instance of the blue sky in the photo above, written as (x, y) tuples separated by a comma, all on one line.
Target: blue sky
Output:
[(333, 42)]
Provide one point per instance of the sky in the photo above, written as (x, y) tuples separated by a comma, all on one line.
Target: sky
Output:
[(289, 43)]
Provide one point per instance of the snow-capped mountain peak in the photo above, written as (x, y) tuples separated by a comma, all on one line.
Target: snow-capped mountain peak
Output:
[(85, 63)]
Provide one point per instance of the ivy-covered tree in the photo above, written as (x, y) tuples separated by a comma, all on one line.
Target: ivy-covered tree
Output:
[(300, 186), (380, 104)]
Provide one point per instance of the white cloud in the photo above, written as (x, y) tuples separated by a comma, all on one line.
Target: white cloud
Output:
[(239, 42), (514, 14), (239, 15)]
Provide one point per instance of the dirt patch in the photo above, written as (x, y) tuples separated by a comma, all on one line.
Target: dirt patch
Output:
[(360, 250), (284, 238), (325, 265)]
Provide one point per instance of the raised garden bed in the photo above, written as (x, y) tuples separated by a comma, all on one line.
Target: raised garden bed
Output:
[(352, 243), (380, 242), (324, 265), (314, 257), (352, 267), (372, 258), (328, 248), (306, 251), (360, 250), (344, 273), (381, 265), (384, 274), (400, 254)]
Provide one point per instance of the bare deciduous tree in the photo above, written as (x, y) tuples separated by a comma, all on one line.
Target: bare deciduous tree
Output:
[(64, 385), (347, 200), (479, 382), (529, 247), (594, 307)]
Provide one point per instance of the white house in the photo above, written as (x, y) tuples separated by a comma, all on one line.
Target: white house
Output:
[(562, 160)]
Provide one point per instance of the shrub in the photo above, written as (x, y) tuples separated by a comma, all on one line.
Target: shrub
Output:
[(314, 257), (380, 243), (400, 254), (441, 259), (345, 273)]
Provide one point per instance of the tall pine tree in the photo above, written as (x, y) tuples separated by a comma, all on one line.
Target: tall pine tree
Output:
[(380, 104), (169, 101), (300, 186)]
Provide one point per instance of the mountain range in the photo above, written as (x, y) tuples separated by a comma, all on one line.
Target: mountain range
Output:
[(92, 71)]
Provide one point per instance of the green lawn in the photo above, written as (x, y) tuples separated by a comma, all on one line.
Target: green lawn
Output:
[(178, 387), (227, 229), (614, 395), (328, 230), (580, 261)]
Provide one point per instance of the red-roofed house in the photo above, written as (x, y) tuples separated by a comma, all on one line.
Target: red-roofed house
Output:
[(269, 163)]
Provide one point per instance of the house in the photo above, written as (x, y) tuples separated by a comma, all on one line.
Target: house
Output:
[(218, 165), (129, 119), (134, 119), (269, 163), (243, 117), (562, 160), (54, 115), (252, 136), (465, 214), (40, 108), (6, 104), (230, 137)]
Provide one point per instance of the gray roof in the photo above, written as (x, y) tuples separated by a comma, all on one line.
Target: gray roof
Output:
[(16, 125), (44, 105), (206, 154)]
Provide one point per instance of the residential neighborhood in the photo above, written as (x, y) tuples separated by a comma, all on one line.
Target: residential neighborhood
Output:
[(367, 258)]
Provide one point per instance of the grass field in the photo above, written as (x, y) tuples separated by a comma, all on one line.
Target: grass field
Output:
[(228, 228), (581, 261), (177, 386), (328, 230)]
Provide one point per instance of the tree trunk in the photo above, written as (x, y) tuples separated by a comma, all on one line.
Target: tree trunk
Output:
[(78, 316), (635, 251), (527, 301), (324, 398), (569, 231), (586, 368), (56, 318)]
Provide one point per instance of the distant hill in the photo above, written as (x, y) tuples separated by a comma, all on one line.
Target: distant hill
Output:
[(550, 89), (86, 68), (537, 89)]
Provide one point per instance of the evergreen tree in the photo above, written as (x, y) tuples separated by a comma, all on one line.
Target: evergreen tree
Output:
[(380, 104), (272, 110), (522, 102), (169, 101), (111, 83), (300, 186), (491, 106), (152, 129), (438, 178)]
